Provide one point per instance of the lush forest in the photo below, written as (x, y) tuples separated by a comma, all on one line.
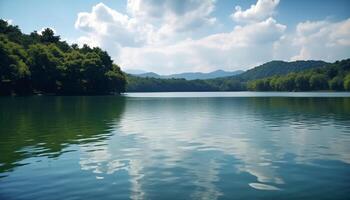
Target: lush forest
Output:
[(233, 83), (334, 77), (40, 63), (280, 68), (149, 84), (190, 75)]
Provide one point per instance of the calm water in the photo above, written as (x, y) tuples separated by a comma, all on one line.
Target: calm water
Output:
[(176, 146)]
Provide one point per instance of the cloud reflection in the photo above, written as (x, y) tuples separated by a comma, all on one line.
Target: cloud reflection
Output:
[(184, 141)]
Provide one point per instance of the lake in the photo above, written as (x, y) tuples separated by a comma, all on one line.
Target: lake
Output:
[(216, 145)]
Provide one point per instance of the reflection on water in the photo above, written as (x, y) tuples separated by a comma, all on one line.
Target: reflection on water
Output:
[(182, 148), (45, 126)]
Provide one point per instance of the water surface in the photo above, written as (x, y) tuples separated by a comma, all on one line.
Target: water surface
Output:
[(176, 146)]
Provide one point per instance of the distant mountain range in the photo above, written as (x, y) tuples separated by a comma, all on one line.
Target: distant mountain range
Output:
[(219, 80), (186, 75), (265, 70), (134, 71)]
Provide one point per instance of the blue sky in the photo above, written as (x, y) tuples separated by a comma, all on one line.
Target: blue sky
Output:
[(194, 35)]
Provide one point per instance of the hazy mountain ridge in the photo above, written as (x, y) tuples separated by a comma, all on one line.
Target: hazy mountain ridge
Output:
[(271, 68), (231, 83), (190, 75), (134, 71)]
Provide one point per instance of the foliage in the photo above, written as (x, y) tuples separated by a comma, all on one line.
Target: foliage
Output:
[(42, 63), (334, 77), (347, 82), (336, 84), (291, 82), (149, 84), (314, 77)]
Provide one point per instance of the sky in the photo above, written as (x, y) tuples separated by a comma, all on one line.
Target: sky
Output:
[(173, 36)]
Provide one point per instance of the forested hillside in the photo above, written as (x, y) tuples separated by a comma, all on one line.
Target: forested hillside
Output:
[(42, 63), (233, 83), (191, 75), (279, 68), (149, 84), (334, 77)]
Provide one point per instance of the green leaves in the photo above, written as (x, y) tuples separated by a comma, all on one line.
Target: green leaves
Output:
[(43, 64), (47, 36), (347, 82)]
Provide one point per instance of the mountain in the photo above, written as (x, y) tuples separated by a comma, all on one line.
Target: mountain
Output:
[(279, 68), (134, 71), (149, 75), (335, 77), (200, 75), (232, 83), (262, 71), (191, 75)]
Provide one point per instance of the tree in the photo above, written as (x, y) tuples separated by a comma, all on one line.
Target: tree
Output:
[(316, 79), (347, 82), (48, 36), (336, 84), (318, 82), (287, 83), (302, 82), (14, 72), (43, 64)]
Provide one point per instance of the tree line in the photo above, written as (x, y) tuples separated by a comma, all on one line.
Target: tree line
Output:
[(335, 77), (232, 83), (305, 76), (42, 63), (149, 84)]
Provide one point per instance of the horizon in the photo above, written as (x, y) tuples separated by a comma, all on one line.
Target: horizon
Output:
[(171, 37)]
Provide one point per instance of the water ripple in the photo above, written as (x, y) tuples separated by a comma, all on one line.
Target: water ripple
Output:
[(188, 148)]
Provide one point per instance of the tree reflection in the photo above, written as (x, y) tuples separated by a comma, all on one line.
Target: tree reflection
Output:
[(31, 126)]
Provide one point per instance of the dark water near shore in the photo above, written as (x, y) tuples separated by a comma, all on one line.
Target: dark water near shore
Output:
[(176, 146)]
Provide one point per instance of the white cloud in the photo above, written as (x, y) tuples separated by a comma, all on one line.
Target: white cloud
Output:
[(322, 40), (309, 28), (108, 28), (178, 16), (161, 36), (172, 20), (223, 50), (260, 11), (108, 24)]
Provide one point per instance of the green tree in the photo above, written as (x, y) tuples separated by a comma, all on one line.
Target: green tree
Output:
[(287, 83), (302, 82), (45, 63), (318, 82), (347, 82), (315, 79), (14, 72), (42, 63), (48, 36), (336, 84)]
